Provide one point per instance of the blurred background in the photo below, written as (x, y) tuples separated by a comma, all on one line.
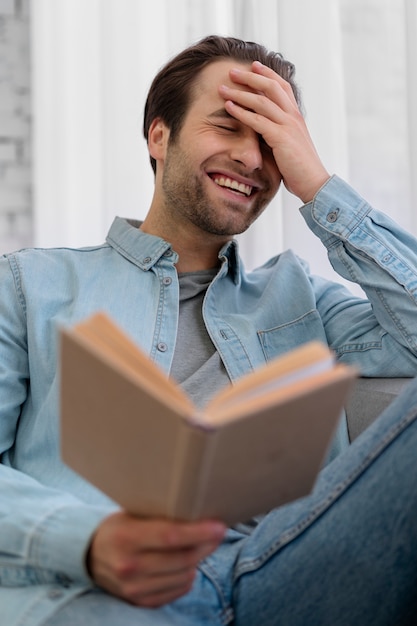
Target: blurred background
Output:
[(73, 81)]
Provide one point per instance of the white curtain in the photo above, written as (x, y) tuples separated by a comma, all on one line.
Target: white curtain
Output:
[(93, 61)]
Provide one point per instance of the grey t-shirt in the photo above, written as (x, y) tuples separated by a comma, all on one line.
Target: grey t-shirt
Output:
[(197, 365)]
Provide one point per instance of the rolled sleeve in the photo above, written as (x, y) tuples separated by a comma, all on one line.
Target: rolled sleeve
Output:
[(367, 247)]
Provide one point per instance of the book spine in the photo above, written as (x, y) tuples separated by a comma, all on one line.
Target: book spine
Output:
[(193, 455)]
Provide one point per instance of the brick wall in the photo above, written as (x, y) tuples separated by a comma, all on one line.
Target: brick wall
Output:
[(15, 126)]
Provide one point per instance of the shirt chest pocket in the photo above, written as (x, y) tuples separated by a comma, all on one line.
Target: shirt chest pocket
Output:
[(285, 337)]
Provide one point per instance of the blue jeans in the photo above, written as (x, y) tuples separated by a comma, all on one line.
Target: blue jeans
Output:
[(345, 555)]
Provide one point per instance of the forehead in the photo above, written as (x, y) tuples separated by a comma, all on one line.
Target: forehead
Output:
[(215, 74)]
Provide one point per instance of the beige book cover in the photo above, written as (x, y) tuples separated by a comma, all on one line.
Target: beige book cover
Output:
[(132, 432)]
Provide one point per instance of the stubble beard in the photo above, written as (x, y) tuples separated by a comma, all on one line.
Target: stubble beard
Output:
[(186, 198)]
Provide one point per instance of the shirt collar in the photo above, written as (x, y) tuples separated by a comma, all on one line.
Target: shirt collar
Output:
[(138, 247), (230, 254), (145, 250)]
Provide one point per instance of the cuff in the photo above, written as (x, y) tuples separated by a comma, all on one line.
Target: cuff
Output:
[(335, 211), (61, 541)]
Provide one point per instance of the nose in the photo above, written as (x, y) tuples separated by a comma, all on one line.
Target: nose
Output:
[(247, 150)]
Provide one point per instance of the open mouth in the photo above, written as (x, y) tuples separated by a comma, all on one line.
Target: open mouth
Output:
[(234, 185)]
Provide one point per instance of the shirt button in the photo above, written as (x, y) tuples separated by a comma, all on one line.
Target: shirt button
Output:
[(168, 252), (167, 280), (332, 216), (147, 259), (162, 347)]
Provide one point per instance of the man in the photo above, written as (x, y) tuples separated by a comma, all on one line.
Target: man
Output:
[(224, 130)]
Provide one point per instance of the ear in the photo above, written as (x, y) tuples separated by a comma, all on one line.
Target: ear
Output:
[(158, 139)]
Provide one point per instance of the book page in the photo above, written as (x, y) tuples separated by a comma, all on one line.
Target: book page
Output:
[(299, 364), (280, 396)]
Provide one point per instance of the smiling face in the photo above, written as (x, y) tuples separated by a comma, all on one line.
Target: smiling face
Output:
[(216, 174)]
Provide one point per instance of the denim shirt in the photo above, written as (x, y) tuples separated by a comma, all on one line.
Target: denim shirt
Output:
[(47, 513)]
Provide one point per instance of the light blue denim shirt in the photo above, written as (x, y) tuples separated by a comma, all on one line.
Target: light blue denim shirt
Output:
[(47, 513)]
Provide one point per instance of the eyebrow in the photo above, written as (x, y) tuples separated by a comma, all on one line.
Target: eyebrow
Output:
[(221, 113)]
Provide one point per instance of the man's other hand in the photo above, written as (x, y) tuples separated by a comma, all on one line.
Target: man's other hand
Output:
[(149, 562)]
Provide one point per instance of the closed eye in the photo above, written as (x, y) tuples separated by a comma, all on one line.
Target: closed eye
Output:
[(228, 128)]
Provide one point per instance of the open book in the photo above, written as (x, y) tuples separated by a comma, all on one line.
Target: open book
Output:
[(133, 433)]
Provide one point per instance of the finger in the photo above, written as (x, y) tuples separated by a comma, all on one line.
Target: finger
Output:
[(136, 589), (154, 599), (129, 534), (173, 561), (266, 82), (139, 589), (254, 103), (264, 70), (168, 535), (261, 123)]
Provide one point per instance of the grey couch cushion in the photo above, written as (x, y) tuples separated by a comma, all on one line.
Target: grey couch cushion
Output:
[(370, 396)]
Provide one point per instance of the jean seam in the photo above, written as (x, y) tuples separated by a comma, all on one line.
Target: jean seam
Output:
[(248, 565), (226, 612)]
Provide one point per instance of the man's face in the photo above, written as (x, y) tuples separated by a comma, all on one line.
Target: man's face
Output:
[(218, 174)]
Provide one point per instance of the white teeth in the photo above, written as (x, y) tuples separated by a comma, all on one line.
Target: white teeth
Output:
[(233, 184)]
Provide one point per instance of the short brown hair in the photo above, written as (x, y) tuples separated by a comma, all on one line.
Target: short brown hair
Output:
[(169, 94)]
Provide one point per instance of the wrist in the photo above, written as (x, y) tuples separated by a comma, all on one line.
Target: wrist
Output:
[(310, 190)]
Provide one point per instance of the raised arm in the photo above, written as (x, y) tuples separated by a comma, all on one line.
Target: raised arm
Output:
[(364, 245)]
